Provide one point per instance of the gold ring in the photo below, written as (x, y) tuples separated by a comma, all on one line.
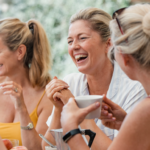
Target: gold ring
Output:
[(16, 90)]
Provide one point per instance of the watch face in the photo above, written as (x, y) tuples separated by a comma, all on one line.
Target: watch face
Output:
[(30, 125)]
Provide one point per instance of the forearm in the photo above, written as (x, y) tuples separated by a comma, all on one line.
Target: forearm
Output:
[(77, 143), (54, 124), (30, 138), (101, 141)]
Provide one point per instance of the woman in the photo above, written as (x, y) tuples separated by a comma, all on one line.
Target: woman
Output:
[(88, 45), (131, 35), (24, 66)]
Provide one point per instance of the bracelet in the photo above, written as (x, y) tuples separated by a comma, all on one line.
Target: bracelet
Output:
[(71, 133)]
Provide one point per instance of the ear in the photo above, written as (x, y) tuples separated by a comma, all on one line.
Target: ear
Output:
[(108, 45), (21, 51), (126, 59)]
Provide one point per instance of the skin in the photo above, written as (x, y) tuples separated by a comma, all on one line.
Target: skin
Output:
[(135, 130), (2, 146), (83, 40), (20, 104)]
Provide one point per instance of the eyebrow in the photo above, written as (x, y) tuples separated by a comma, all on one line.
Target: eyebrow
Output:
[(77, 35)]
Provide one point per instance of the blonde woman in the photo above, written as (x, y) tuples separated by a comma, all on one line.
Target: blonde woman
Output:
[(88, 45), (24, 71), (131, 37)]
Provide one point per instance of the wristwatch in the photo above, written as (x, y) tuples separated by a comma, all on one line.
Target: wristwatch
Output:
[(28, 127), (71, 133)]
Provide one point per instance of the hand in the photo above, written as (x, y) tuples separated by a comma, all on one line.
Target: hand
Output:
[(64, 96), (15, 92), (72, 115), (52, 87), (112, 115)]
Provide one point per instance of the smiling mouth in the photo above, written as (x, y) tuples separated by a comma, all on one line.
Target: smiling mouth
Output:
[(80, 57)]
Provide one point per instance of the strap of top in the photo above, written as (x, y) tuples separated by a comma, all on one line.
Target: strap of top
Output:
[(41, 99)]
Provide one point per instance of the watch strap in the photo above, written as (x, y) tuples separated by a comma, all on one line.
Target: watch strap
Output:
[(70, 134), (88, 132)]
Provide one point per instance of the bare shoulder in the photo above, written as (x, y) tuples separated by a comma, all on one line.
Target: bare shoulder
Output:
[(135, 129), (143, 108), (45, 106)]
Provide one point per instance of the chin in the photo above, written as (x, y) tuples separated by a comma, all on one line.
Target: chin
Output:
[(83, 70)]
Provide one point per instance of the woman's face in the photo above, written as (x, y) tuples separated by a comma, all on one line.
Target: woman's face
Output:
[(86, 48), (7, 60)]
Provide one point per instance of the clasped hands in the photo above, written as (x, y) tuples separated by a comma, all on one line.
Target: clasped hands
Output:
[(112, 115)]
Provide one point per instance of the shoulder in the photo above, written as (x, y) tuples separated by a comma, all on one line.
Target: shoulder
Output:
[(135, 129), (140, 116), (143, 109), (45, 106)]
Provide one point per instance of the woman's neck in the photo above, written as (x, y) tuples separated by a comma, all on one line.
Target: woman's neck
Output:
[(144, 78), (98, 83), (21, 76)]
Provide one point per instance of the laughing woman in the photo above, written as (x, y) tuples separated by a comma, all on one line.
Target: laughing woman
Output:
[(24, 67), (88, 45)]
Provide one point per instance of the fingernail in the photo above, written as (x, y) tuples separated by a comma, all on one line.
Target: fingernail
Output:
[(66, 86), (106, 107), (97, 104), (113, 118)]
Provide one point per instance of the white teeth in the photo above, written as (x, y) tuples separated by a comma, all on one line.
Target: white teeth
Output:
[(77, 57)]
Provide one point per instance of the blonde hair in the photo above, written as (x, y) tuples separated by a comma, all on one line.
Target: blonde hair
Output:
[(135, 22), (32, 35), (98, 19)]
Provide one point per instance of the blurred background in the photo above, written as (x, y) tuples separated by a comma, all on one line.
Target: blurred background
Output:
[(54, 16)]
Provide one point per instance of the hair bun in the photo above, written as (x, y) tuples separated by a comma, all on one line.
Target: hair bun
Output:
[(146, 24)]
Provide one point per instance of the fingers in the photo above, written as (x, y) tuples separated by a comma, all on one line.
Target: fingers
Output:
[(55, 77), (50, 92), (109, 120), (108, 102), (10, 88), (91, 108), (56, 82)]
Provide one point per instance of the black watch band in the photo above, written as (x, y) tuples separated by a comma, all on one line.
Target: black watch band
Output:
[(71, 133)]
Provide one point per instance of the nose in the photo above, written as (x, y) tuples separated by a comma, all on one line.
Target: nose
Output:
[(75, 45)]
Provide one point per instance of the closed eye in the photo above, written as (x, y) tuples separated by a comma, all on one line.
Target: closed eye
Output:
[(83, 38), (69, 42)]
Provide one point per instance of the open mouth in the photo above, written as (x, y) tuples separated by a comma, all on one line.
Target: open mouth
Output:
[(80, 57)]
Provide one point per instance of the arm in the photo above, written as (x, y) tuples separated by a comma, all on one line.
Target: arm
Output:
[(133, 133), (54, 124), (27, 135), (58, 99), (72, 116)]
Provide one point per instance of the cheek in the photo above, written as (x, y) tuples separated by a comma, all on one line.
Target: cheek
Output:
[(70, 51)]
